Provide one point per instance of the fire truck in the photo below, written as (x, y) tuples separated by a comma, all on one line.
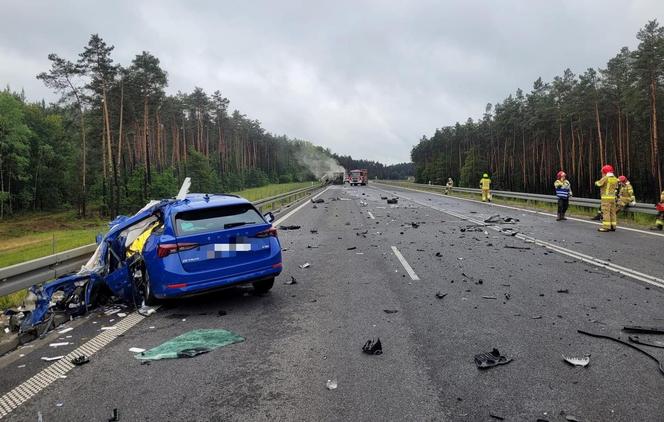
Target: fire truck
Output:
[(359, 177)]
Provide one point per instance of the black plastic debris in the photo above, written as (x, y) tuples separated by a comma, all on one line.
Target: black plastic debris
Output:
[(489, 297), (194, 351), (498, 417), (373, 348), (517, 247), (439, 255), (292, 227), (313, 231), (393, 201), (440, 295), (318, 201), (647, 342), (222, 313), (498, 219), (352, 248), (80, 360), (643, 329), (176, 316), (509, 232), (390, 311), (115, 416), (617, 340), (491, 359), (414, 225), (383, 197), (562, 291), (291, 281)]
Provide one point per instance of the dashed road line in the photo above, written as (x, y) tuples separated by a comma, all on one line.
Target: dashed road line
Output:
[(405, 264), (637, 275), (491, 204)]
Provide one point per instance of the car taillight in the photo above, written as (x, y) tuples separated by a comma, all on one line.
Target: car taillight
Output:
[(267, 233), (166, 249)]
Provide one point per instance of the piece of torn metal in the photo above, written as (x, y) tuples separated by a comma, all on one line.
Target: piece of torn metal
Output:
[(51, 358), (617, 340), (291, 227), (192, 343), (644, 329), (372, 347), (491, 359), (305, 265), (647, 342), (331, 384), (136, 350), (576, 361)]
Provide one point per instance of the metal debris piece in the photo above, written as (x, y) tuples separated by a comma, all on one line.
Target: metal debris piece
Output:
[(115, 417), (331, 384), (584, 361), (373, 347), (305, 265), (489, 297), (80, 360), (643, 329), (136, 350), (292, 227), (536, 317), (291, 281), (661, 369), (493, 358), (66, 330), (51, 359), (317, 201), (647, 342)]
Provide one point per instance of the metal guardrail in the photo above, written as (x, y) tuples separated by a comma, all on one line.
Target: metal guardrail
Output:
[(582, 202), (21, 276)]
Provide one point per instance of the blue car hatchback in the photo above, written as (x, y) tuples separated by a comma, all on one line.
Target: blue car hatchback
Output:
[(205, 242)]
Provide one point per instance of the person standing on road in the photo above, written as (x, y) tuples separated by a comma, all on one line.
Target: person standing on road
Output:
[(607, 185), (626, 196), (449, 185), (485, 185), (563, 192), (659, 223)]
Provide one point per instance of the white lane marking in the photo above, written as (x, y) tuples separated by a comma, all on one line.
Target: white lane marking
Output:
[(47, 376), (491, 204), (282, 219), (371, 215), (405, 264), (655, 281)]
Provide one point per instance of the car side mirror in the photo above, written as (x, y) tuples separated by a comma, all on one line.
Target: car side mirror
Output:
[(269, 217)]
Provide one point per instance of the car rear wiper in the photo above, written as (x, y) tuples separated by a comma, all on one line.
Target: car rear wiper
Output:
[(231, 225)]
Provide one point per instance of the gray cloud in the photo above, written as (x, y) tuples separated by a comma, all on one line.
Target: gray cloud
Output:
[(364, 78)]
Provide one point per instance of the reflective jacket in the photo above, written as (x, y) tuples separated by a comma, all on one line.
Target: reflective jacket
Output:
[(607, 186), (627, 193), (485, 183), (563, 190)]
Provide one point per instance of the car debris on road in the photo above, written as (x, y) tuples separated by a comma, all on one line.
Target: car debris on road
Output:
[(372, 347), (192, 343), (574, 361), (491, 359), (331, 384), (617, 340)]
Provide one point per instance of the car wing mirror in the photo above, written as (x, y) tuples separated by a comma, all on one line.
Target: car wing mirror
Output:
[(269, 217)]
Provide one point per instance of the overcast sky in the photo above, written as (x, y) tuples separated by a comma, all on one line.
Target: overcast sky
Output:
[(366, 78)]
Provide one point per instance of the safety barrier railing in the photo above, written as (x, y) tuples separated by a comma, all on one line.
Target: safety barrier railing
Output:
[(21, 276), (582, 202)]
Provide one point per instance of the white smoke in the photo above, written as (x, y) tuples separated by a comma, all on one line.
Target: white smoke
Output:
[(318, 162)]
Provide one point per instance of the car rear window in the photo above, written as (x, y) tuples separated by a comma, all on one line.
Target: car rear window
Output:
[(216, 219)]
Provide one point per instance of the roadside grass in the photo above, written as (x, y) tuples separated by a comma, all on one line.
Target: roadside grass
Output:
[(635, 220), (35, 235), (267, 191)]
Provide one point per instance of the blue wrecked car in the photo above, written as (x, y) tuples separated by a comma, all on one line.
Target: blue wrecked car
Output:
[(171, 248)]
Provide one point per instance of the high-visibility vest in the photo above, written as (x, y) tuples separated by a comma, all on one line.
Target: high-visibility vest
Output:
[(562, 188), (607, 186), (485, 183)]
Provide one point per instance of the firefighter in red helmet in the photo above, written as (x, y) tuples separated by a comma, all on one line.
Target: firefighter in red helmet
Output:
[(607, 185), (626, 196), (563, 192)]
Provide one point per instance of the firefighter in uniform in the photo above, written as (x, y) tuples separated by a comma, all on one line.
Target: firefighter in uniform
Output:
[(607, 185), (626, 196), (659, 223), (563, 192), (485, 185), (449, 185)]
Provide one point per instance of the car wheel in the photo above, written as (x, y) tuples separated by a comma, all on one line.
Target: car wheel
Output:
[(263, 286), (148, 297)]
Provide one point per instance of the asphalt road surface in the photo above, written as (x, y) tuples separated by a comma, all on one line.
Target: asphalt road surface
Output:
[(499, 291)]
